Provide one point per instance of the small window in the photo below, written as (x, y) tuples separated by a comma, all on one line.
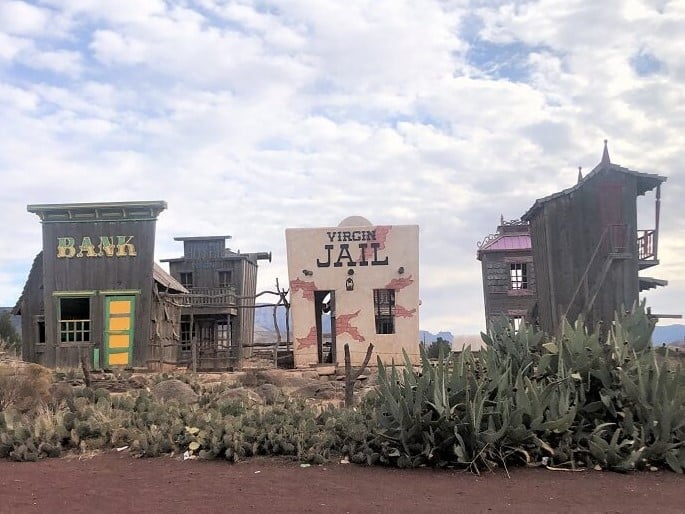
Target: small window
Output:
[(186, 278), (186, 336), (40, 329), (225, 278), (518, 275), (74, 320), (384, 310)]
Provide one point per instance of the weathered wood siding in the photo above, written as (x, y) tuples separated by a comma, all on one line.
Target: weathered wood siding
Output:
[(97, 274), (31, 308), (165, 332), (500, 298), (247, 278), (566, 232)]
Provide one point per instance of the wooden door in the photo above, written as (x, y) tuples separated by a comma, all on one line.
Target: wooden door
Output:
[(119, 323), (612, 216)]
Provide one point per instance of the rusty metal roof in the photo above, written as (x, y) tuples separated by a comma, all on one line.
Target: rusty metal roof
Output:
[(508, 242)]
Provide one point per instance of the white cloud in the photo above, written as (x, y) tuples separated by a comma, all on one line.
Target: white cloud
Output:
[(22, 18), (250, 117)]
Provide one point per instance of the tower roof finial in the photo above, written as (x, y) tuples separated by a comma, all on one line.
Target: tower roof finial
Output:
[(580, 173), (605, 154)]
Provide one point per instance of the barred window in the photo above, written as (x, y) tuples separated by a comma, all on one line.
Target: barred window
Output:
[(518, 275), (384, 310)]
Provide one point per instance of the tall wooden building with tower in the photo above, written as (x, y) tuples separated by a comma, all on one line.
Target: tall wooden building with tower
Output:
[(576, 253), (588, 248)]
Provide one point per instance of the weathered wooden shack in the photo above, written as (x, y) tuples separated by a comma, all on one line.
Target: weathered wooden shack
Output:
[(509, 285), (218, 312), (93, 287), (587, 249)]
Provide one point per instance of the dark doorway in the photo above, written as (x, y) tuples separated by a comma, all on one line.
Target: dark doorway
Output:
[(324, 305)]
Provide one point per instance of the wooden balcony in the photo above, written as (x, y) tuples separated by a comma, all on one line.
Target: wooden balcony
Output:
[(647, 248), (210, 297)]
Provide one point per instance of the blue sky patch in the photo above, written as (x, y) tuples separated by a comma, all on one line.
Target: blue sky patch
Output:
[(645, 64), (501, 60)]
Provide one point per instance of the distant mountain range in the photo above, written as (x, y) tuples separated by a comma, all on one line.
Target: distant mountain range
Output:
[(668, 334), (264, 322)]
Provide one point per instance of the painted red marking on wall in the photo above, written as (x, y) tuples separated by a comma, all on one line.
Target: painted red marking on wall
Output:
[(309, 341), (401, 312), (343, 326), (399, 283), (307, 288), (381, 233)]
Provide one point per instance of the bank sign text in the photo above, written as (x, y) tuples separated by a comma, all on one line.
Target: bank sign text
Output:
[(102, 246)]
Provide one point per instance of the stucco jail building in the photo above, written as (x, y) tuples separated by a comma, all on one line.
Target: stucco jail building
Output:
[(356, 283), (95, 289)]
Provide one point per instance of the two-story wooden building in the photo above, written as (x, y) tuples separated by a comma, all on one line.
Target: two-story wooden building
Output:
[(95, 289), (509, 285), (587, 246), (218, 312)]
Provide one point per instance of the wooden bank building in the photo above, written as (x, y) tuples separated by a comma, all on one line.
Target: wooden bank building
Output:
[(95, 289)]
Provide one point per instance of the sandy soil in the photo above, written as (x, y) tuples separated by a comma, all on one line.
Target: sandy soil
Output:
[(117, 483)]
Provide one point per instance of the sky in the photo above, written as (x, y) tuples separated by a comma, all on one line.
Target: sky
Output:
[(250, 117)]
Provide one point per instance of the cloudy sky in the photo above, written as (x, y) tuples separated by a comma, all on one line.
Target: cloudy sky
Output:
[(249, 117)]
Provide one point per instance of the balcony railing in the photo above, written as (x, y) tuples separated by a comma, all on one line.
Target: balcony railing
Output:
[(210, 296), (645, 245)]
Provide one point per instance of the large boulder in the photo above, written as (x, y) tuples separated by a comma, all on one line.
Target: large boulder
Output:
[(282, 378), (174, 389)]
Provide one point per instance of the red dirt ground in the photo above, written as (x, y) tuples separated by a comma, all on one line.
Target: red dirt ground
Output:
[(118, 483)]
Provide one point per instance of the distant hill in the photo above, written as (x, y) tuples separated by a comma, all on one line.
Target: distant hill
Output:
[(668, 334), (264, 322), (429, 337), (264, 318)]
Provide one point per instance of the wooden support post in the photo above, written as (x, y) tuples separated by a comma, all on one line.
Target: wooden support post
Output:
[(84, 366), (193, 344), (351, 376)]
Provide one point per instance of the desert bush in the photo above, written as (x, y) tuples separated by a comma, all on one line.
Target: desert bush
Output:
[(23, 386), (578, 400)]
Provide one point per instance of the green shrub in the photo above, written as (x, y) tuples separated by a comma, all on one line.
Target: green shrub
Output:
[(577, 399)]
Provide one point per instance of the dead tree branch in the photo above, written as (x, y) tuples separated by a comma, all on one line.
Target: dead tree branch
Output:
[(351, 375)]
